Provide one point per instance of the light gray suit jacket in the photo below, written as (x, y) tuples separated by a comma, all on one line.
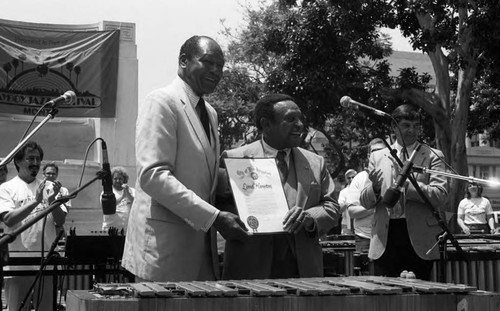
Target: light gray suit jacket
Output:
[(253, 258), (177, 169), (423, 227)]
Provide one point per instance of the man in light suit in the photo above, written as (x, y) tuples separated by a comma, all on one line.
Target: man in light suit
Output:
[(309, 193), (172, 222), (402, 235)]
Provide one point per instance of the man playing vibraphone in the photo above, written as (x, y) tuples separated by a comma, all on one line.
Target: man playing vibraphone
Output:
[(313, 211), (403, 234)]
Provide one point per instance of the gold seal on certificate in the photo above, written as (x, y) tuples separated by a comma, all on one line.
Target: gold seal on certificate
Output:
[(253, 223), (258, 193)]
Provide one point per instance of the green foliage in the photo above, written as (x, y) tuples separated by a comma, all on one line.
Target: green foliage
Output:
[(484, 110), (317, 52), (234, 101)]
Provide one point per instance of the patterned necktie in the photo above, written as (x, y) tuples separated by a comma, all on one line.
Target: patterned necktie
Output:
[(399, 209), (202, 110), (282, 166), (404, 155)]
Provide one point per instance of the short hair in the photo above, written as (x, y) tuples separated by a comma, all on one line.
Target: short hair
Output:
[(122, 171), (192, 46), (20, 154), (4, 168), (265, 107), (406, 112), (349, 171), (51, 164), (479, 190)]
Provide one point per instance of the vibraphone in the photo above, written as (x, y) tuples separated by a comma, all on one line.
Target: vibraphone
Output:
[(482, 269), (335, 293), (79, 259)]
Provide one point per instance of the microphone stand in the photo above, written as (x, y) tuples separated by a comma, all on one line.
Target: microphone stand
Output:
[(441, 239), (23, 142), (9, 237), (470, 179), (50, 255)]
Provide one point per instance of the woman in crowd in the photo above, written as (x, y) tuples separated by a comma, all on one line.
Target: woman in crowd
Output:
[(475, 214)]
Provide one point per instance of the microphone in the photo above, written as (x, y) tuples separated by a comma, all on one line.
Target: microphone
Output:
[(391, 195), (348, 102), (108, 199), (66, 98)]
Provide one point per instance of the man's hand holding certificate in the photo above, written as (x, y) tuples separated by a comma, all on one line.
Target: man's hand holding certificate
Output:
[(259, 195), (297, 219)]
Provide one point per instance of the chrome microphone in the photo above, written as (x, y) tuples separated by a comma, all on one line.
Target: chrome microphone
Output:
[(348, 102), (67, 98)]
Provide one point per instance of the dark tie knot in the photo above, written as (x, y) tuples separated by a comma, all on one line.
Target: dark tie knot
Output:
[(201, 103), (403, 154)]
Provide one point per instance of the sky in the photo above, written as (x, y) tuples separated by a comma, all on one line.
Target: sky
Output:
[(161, 26)]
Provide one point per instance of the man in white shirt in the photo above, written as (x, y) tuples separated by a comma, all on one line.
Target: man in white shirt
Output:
[(21, 199), (51, 173), (362, 217), (343, 194)]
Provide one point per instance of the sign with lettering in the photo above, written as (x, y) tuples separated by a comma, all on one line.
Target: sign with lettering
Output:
[(39, 65)]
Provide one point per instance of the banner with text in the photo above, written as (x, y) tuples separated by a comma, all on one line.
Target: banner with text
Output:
[(39, 65)]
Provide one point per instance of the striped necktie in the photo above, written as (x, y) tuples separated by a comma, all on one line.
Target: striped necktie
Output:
[(282, 166)]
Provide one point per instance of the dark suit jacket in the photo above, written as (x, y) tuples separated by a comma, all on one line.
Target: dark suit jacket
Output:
[(423, 227), (252, 259)]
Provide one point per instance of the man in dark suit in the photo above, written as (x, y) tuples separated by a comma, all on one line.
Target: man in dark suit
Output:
[(309, 193), (171, 231), (402, 235)]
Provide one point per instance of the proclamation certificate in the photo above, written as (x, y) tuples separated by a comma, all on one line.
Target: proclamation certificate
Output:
[(258, 193)]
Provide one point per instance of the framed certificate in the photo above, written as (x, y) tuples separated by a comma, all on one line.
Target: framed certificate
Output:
[(258, 193)]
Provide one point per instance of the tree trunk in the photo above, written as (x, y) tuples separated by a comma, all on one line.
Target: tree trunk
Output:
[(459, 125)]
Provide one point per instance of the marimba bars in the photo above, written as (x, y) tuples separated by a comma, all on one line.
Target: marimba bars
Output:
[(482, 269), (335, 293)]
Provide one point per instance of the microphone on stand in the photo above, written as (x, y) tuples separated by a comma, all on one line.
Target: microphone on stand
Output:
[(348, 102), (391, 195), (67, 98), (108, 199)]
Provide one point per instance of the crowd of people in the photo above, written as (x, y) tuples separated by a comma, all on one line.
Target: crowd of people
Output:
[(182, 198)]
